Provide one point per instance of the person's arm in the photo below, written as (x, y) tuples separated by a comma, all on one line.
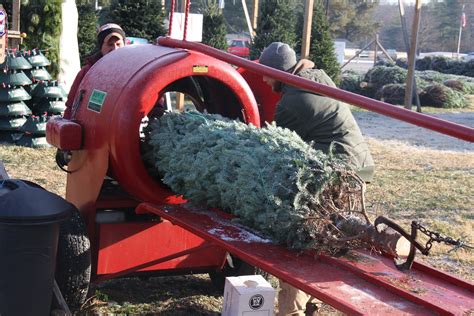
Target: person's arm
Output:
[(73, 91), (288, 118)]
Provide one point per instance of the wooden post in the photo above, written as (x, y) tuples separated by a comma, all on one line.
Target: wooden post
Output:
[(308, 20), (357, 54), (406, 40), (376, 48), (412, 56), (14, 32), (255, 14), (247, 18), (379, 45)]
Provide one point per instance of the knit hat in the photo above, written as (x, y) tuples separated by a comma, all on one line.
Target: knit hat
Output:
[(108, 30), (279, 56)]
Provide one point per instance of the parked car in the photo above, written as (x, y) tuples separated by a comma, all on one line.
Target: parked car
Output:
[(240, 47), (135, 41)]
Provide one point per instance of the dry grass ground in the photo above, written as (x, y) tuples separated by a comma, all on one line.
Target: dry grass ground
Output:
[(433, 187)]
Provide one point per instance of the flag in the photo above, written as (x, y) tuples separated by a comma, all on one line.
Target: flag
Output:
[(463, 19)]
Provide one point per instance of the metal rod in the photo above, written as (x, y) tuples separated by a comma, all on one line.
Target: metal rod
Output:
[(419, 119), (173, 3), (186, 15)]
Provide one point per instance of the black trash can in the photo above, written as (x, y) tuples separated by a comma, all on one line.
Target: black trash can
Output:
[(29, 229)]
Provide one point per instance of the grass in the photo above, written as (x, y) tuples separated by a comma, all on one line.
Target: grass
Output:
[(433, 187)]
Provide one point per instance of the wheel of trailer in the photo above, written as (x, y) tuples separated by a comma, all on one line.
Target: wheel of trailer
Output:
[(73, 265), (235, 268)]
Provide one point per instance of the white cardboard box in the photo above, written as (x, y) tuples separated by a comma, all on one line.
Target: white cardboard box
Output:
[(248, 295)]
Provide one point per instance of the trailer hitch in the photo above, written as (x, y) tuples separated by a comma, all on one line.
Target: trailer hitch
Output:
[(414, 244)]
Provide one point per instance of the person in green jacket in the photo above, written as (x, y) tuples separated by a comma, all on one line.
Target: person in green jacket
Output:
[(325, 123)]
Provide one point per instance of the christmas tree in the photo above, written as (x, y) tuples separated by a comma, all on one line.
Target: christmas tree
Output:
[(214, 29), (322, 45), (269, 177), (276, 23), (138, 18)]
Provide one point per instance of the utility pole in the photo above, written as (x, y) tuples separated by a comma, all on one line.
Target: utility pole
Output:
[(308, 20), (412, 56), (462, 24)]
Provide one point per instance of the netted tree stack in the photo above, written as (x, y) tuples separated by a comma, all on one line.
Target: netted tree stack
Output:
[(269, 177)]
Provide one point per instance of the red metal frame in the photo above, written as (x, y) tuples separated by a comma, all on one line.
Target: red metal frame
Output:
[(126, 248), (420, 119), (111, 147), (357, 283)]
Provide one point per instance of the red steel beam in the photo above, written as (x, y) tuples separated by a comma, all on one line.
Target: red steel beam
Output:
[(359, 283), (419, 119)]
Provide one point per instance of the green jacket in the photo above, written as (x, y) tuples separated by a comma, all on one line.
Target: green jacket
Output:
[(326, 123)]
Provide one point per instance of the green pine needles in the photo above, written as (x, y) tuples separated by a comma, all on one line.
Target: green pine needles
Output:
[(268, 177)]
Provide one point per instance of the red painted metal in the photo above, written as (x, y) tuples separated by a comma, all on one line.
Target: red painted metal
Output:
[(111, 146), (154, 264), (186, 20), (111, 136), (64, 134), (265, 96), (146, 246), (358, 283), (420, 119), (173, 2)]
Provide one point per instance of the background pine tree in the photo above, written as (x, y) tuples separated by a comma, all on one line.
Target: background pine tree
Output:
[(87, 30), (138, 18), (276, 23), (214, 28), (322, 45), (41, 21)]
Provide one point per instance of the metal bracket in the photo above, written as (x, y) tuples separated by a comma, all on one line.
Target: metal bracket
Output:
[(410, 237)]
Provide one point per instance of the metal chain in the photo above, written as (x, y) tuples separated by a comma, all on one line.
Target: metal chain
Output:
[(435, 236)]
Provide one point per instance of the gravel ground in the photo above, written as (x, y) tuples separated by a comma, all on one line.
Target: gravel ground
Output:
[(381, 127)]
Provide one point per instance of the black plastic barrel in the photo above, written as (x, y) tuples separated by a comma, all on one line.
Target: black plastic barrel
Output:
[(29, 230)]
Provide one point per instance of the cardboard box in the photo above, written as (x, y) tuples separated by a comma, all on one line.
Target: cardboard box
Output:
[(248, 295)]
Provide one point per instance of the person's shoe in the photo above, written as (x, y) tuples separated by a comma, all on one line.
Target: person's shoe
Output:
[(311, 309)]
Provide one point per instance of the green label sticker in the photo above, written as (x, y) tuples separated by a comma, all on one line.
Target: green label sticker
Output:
[(96, 100)]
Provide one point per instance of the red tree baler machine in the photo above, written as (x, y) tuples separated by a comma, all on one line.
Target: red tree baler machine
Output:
[(136, 225)]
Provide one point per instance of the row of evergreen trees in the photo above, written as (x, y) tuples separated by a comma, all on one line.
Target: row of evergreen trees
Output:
[(278, 21)]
